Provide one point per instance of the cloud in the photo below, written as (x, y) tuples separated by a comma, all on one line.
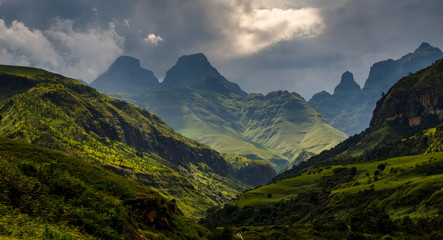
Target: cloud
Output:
[(23, 46), (61, 48), (260, 44), (126, 22), (85, 53), (264, 27), (153, 39)]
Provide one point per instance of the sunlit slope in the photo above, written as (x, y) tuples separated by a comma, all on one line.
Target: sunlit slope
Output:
[(61, 113), (47, 194)]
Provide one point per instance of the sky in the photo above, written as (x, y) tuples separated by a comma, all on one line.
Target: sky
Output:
[(294, 45)]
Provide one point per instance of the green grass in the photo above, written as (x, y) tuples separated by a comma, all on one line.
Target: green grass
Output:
[(47, 194), (64, 114), (21, 71), (289, 188), (276, 127)]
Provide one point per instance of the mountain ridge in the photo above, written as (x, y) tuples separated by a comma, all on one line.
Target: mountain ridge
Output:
[(197, 101), (352, 114)]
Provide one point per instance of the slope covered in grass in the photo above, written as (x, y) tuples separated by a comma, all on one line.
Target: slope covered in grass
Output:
[(47, 194), (61, 113), (398, 197)]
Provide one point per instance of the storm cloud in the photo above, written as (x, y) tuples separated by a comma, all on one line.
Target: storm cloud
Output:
[(301, 46)]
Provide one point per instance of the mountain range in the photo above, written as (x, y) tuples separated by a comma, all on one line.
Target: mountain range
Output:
[(60, 113), (349, 108), (198, 102), (77, 164), (383, 183)]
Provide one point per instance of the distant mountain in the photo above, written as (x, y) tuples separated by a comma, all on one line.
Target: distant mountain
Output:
[(126, 75), (197, 101), (53, 111), (371, 186), (347, 85), (413, 104), (195, 71), (350, 109)]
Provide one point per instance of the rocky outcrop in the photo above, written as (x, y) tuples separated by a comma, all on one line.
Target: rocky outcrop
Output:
[(416, 107), (416, 100)]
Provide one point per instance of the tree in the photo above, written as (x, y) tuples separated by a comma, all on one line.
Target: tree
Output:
[(381, 166)]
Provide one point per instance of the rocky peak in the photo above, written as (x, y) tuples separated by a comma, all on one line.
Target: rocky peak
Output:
[(126, 75), (385, 73), (426, 47), (347, 84), (195, 71)]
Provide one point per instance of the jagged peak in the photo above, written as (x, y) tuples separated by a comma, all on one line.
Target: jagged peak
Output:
[(347, 84), (426, 47)]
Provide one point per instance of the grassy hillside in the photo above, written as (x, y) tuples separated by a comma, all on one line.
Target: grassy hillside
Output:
[(47, 194), (397, 197), (61, 113), (276, 127), (287, 124)]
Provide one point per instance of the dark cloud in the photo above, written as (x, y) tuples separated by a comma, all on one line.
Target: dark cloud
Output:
[(301, 46)]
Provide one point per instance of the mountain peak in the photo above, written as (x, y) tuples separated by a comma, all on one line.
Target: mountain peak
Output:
[(126, 60), (125, 75), (198, 58), (426, 47), (195, 71), (347, 84)]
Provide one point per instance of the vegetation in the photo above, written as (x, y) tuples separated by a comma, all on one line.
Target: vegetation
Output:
[(252, 172), (340, 201), (57, 196), (64, 114)]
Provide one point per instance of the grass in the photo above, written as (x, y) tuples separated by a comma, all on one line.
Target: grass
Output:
[(50, 195), (399, 172), (276, 127), (63, 114)]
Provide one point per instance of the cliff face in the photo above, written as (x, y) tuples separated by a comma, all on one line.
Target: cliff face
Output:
[(416, 107), (416, 99)]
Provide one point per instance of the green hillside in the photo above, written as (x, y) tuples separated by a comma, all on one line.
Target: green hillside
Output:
[(384, 183), (61, 113), (394, 198), (47, 194)]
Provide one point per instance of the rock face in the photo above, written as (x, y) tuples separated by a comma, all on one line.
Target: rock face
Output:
[(126, 75), (416, 100), (350, 109)]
